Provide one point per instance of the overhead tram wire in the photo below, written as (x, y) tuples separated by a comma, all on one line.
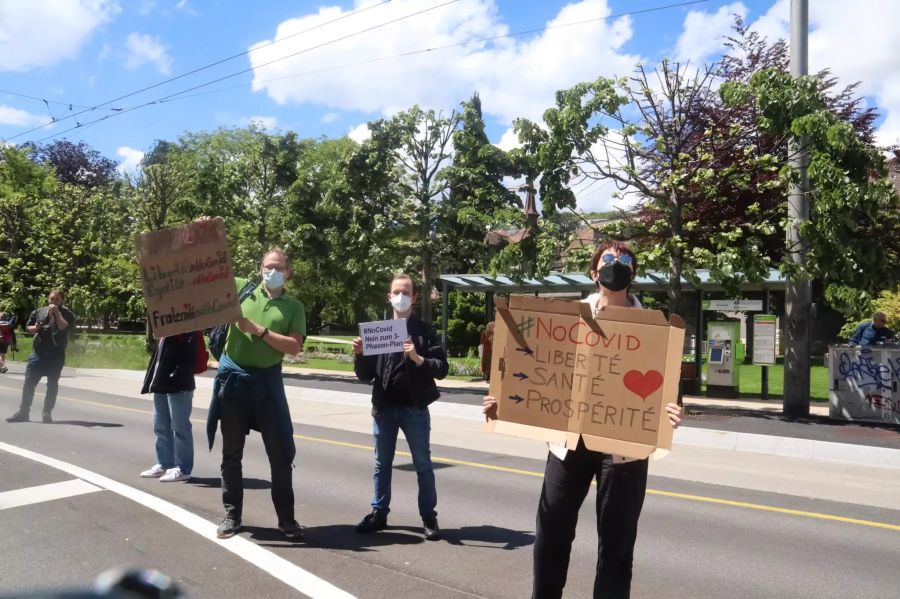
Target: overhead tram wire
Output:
[(187, 74), (71, 105), (241, 72), (181, 96)]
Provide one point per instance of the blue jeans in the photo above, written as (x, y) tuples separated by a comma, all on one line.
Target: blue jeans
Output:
[(416, 425), (172, 425)]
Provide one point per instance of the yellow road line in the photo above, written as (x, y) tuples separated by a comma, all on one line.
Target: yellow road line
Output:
[(777, 510), (519, 471)]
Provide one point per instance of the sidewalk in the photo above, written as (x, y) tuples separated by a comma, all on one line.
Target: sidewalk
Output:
[(862, 469)]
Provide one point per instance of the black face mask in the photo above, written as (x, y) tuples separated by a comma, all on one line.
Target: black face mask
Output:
[(615, 276)]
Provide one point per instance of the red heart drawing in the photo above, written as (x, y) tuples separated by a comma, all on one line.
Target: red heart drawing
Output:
[(643, 384)]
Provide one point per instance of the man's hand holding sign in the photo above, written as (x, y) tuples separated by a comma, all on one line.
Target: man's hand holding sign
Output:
[(187, 277)]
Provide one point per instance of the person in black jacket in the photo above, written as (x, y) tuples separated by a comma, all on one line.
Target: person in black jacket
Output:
[(404, 387), (170, 377), (51, 325)]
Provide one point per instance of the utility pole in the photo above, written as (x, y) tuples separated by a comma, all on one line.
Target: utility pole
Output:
[(798, 292)]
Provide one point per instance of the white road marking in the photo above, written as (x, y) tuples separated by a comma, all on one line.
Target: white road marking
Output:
[(292, 575), (42, 493)]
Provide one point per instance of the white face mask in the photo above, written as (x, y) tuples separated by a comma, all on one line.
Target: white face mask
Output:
[(401, 302), (274, 279)]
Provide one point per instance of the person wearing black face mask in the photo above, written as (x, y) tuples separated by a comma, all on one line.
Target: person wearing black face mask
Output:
[(621, 481)]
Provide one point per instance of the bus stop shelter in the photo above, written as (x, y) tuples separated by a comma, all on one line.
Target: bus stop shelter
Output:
[(563, 284)]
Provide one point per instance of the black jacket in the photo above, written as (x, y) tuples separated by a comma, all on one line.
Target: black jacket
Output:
[(49, 340), (176, 361), (422, 387)]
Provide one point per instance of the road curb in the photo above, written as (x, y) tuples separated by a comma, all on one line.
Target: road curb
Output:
[(790, 447)]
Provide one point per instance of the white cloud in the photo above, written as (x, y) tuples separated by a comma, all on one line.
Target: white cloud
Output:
[(262, 122), (702, 36), (35, 34), (330, 117), (515, 77), (146, 7), (858, 43), (20, 118), (508, 140), (147, 49), (360, 133), (131, 159)]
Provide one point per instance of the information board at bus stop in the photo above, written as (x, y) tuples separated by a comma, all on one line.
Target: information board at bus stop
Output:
[(764, 338)]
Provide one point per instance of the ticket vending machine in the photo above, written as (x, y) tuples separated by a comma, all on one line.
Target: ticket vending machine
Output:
[(723, 357)]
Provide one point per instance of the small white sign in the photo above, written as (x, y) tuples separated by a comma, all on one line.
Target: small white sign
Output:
[(764, 339), (733, 305), (382, 336)]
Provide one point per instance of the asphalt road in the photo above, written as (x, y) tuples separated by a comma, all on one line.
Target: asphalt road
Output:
[(701, 416), (687, 548)]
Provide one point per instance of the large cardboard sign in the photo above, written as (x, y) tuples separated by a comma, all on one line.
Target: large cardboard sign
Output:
[(382, 336), (562, 375), (187, 277)]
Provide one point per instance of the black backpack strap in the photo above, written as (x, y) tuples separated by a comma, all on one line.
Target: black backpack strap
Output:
[(246, 291)]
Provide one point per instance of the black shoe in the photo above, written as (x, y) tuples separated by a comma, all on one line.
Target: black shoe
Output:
[(432, 530), (228, 528), (18, 417), (48, 419), (291, 530), (373, 522)]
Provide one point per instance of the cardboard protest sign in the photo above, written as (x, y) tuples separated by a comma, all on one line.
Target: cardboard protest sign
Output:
[(187, 278), (562, 375), (383, 336)]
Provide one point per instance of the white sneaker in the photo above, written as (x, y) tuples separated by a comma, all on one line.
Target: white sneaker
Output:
[(173, 475), (154, 472)]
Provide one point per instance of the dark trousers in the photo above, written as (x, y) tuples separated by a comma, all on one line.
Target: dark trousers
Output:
[(236, 415), (38, 367), (620, 496)]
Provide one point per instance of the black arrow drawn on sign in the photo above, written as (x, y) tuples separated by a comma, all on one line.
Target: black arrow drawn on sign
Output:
[(521, 376), (525, 350), (517, 398)]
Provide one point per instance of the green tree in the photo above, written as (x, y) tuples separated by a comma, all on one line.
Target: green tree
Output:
[(339, 223), (854, 207), (26, 189), (478, 200), (243, 176), (420, 143), (646, 135)]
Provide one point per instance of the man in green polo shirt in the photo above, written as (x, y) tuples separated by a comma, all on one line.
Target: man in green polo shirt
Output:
[(249, 392)]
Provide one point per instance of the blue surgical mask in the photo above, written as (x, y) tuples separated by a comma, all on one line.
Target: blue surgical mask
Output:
[(274, 279)]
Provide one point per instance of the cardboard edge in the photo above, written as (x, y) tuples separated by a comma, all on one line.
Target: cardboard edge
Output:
[(543, 304), (660, 453), (672, 379), (628, 449), (622, 314), (527, 431)]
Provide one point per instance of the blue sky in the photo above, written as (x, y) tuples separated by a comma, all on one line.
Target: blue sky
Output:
[(86, 52)]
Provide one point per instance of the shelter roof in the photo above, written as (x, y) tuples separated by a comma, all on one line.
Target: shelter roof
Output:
[(561, 282)]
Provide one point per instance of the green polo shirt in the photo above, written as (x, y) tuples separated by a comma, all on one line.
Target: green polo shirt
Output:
[(283, 315)]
